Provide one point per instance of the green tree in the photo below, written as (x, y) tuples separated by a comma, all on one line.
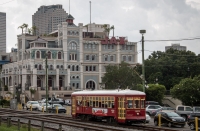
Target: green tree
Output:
[(32, 91), (187, 91), (25, 26), (170, 67), (120, 76), (155, 92), (29, 30), (107, 29), (22, 27)]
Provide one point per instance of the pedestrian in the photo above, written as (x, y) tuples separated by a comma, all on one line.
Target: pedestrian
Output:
[(23, 105)]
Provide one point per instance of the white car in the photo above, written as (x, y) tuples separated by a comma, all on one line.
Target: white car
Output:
[(34, 105), (43, 105), (148, 118)]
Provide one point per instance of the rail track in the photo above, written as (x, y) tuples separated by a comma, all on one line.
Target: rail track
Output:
[(67, 121)]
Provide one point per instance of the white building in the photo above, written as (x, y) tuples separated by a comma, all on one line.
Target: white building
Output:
[(176, 47), (75, 61)]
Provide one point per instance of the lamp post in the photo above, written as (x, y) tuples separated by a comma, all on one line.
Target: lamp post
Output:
[(46, 82), (143, 70)]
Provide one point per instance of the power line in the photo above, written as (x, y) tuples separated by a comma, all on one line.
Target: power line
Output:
[(195, 38)]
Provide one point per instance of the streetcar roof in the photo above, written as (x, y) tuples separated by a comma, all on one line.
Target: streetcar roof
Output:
[(109, 92)]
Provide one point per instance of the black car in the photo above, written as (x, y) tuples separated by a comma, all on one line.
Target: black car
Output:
[(170, 119), (191, 120), (54, 107)]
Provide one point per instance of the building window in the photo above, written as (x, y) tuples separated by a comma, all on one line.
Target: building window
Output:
[(90, 68), (85, 46), (93, 57), (61, 66), (68, 66), (73, 84), (122, 47), (72, 46), (38, 54), (94, 46), (87, 57), (57, 67), (73, 68), (36, 65), (86, 68), (73, 57), (124, 58), (49, 55), (106, 58), (129, 58), (77, 85), (112, 46), (108, 46), (131, 47), (89, 46), (126, 47), (111, 58), (59, 55), (76, 68), (90, 85), (40, 67), (94, 68)]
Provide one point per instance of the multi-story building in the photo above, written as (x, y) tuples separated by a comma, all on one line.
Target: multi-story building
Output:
[(75, 60), (2, 32), (47, 18), (176, 47)]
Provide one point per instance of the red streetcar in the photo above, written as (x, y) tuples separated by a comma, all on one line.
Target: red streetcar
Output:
[(122, 106)]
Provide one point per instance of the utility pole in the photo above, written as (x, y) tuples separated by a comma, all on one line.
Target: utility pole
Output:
[(143, 69), (46, 82)]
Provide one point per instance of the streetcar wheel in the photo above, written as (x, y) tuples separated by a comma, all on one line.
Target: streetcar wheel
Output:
[(156, 123)]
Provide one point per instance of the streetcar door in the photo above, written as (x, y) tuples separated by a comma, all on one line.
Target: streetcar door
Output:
[(121, 108), (73, 110)]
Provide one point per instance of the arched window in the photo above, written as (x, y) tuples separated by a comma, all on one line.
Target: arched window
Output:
[(36, 65), (90, 85), (57, 67), (111, 58), (61, 66), (68, 66), (72, 46), (49, 55), (40, 67), (73, 68), (59, 55), (38, 54), (51, 67), (76, 68)]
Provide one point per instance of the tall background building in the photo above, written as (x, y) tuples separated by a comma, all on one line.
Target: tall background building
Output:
[(176, 47), (47, 18), (2, 32)]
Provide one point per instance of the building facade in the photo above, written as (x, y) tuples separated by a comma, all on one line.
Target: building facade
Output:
[(176, 47), (47, 18), (2, 32), (75, 61)]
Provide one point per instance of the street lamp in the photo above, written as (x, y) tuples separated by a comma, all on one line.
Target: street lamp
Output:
[(143, 70), (46, 81)]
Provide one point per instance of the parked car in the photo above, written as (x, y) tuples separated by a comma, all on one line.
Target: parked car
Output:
[(168, 109), (170, 119), (53, 107), (151, 103), (148, 118), (43, 105), (151, 110), (56, 101), (68, 102), (191, 118), (184, 111), (34, 105)]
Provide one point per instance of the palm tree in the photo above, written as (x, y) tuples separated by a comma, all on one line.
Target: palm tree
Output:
[(107, 29), (29, 30), (34, 28), (22, 27), (25, 26), (112, 28), (32, 91)]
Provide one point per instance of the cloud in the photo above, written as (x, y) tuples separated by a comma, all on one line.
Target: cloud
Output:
[(127, 8)]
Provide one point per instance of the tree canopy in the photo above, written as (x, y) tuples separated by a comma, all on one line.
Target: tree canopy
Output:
[(170, 67), (121, 76), (187, 91)]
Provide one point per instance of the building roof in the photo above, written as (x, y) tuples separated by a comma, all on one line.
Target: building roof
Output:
[(39, 40), (70, 16)]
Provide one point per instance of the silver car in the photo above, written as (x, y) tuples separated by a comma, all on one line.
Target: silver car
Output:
[(148, 118)]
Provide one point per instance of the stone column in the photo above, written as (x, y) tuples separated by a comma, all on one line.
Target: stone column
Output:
[(100, 65), (57, 78), (24, 78), (66, 80), (68, 76), (34, 83)]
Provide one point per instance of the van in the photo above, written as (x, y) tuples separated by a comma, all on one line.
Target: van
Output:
[(151, 103)]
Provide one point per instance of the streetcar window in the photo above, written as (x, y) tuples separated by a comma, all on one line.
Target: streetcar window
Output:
[(142, 103), (130, 103), (91, 101), (137, 103)]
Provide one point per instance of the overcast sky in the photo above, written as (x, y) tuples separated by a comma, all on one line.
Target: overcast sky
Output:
[(162, 19)]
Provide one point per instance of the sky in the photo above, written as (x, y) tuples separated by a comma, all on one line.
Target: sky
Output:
[(162, 19)]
